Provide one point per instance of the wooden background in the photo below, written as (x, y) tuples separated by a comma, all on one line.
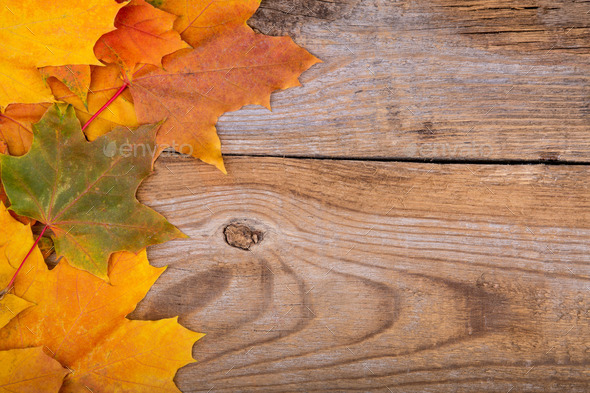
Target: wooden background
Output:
[(418, 213)]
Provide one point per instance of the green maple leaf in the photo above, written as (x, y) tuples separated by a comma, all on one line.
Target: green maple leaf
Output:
[(85, 191)]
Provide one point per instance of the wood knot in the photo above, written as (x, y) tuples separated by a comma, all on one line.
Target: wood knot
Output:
[(241, 236)]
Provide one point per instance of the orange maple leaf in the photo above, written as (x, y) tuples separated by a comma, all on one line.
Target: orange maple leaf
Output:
[(231, 66), (80, 320), (16, 126), (230, 70), (200, 20), (144, 35)]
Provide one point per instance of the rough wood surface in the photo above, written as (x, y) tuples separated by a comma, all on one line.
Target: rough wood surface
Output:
[(380, 277), (361, 276), (436, 79)]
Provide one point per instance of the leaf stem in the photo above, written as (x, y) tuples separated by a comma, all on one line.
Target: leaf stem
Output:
[(11, 283), (113, 98)]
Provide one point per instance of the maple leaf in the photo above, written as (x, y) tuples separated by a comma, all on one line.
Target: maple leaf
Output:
[(90, 206), (144, 35), (230, 67), (16, 136), (75, 77), (3, 196), (80, 320), (15, 240), (44, 33), (10, 306), (30, 370), (230, 70), (204, 19), (16, 126), (104, 82)]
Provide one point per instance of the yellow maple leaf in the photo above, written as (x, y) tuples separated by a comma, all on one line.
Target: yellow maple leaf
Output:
[(80, 320), (29, 370), (105, 81), (38, 33), (10, 306), (75, 77), (15, 241)]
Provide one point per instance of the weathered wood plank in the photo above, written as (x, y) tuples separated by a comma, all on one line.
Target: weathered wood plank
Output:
[(377, 276), (443, 79)]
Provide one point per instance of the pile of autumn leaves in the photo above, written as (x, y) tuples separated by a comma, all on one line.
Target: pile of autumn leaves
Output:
[(79, 80)]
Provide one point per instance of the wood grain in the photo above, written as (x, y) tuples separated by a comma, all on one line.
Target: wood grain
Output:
[(380, 277), (362, 276), (437, 79)]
